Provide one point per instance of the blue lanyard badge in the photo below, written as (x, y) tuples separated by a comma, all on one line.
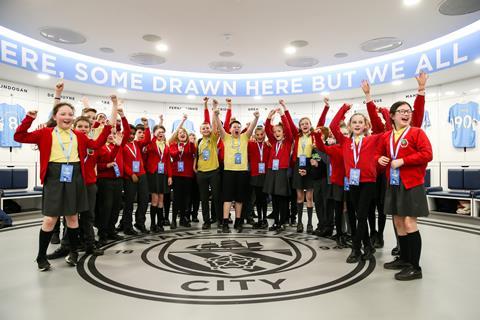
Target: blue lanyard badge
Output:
[(161, 168), (206, 151), (135, 163), (346, 185), (395, 173), (276, 162), (180, 166), (354, 172), (66, 171), (116, 169)]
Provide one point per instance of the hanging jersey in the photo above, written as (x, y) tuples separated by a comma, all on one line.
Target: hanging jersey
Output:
[(426, 120), (10, 117), (187, 125), (462, 117)]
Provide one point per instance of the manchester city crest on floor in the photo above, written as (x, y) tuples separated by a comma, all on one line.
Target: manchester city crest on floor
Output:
[(205, 267)]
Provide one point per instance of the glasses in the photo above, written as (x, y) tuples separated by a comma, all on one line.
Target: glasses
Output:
[(404, 112)]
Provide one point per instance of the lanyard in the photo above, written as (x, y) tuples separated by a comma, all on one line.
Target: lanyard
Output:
[(304, 144), (260, 150), (207, 144), (183, 150), (394, 155), (356, 157), (131, 151), (239, 144), (65, 153), (108, 148), (277, 148), (160, 153)]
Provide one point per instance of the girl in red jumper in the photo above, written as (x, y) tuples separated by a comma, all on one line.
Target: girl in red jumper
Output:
[(361, 171), (62, 171), (182, 152), (405, 153), (159, 172), (276, 180)]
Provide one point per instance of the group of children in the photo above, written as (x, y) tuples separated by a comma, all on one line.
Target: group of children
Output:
[(92, 167)]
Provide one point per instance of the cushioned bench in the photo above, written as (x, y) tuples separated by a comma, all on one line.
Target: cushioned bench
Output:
[(13, 181)]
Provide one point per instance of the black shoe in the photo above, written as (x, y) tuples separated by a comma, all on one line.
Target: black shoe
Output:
[(368, 253), (173, 225), (55, 238), (283, 227), (396, 251), (130, 232), (195, 219), (354, 256), (256, 225), (274, 227), (72, 258), (206, 226), (185, 223), (293, 222), (264, 224), (102, 242), (271, 216), (409, 273), (94, 251), (119, 228), (396, 264), (141, 228), (225, 228), (43, 264), (327, 233), (309, 229), (378, 243), (58, 253), (160, 227), (300, 227), (250, 221), (230, 221), (114, 236), (238, 225), (154, 228), (341, 242), (166, 222), (254, 215)]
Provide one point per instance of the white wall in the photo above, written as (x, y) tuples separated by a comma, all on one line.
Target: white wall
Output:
[(438, 104)]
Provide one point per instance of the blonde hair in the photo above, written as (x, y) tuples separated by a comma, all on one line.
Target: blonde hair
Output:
[(304, 118)]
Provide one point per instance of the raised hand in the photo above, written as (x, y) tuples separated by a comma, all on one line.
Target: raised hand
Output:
[(256, 114), (326, 100), (185, 116), (32, 113), (59, 88), (229, 102), (365, 87), (144, 122), (85, 102), (271, 113), (118, 138), (113, 98), (422, 80), (282, 103)]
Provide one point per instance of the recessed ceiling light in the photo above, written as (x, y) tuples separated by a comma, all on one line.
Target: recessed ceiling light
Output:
[(43, 76), (458, 7), (290, 50), (381, 44), (147, 59), (477, 61), (151, 38), (449, 93), (61, 35), (258, 97), (410, 3), (225, 66), (299, 43), (302, 62), (107, 50), (397, 82), (325, 93), (122, 90), (162, 47), (340, 55), (226, 54), (191, 97)]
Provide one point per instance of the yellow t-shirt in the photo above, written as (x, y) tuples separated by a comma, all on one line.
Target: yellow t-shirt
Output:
[(57, 155), (207, 149), (232, 147), (305, 146), (95, 133), (398, 134)]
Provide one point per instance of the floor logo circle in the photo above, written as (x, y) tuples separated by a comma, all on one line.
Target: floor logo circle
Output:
[(205, 267)]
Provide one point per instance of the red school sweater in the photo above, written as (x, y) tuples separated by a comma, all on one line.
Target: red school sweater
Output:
[(254, 156), (153, 158), (335, 153), (285, 145), (110, 153), (132, 151), (188, 156)]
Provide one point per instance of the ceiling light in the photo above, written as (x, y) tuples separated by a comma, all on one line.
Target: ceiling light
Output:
[(107, 50), (257, 97), (410, 3), (449, 93), (381, 44), (147, 59), (162, 47), (302, 62), (458, 7), (299, 43), (290, 50), (191, 97), (122, 90), (477, 61), (62, 35), (397, 82), (225, 66), (43, 76), (226, 54), (325, 93), (340, 55), (151, 38)]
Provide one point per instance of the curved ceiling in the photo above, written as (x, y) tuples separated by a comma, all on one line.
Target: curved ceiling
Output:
[(258, 30)]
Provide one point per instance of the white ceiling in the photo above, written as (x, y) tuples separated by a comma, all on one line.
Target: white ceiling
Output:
[(260, 28)]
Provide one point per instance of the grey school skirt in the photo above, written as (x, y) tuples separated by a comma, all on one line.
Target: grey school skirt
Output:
[(406, 203), (158, 183), (64, 198), (277, 182)]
